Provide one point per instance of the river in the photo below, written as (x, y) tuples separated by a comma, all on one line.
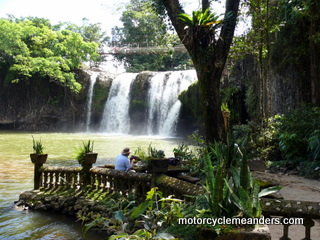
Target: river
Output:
[(16, 176)]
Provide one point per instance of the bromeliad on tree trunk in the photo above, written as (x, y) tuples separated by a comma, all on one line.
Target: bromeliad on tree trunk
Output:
[(208, 52)]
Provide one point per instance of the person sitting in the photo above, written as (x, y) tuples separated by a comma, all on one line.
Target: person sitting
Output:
[(122, 161)]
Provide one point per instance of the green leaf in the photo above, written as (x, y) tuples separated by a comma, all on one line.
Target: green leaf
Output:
[(151, 193), (186, 18), (269, 190), (118, 236), (245, 202), (164, 236), (141, 209), (119, 216)]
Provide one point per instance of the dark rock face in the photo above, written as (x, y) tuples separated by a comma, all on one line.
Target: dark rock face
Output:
[(139, 102), (40, 105), (99, 98)]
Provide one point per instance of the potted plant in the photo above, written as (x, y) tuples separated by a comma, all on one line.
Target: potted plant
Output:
[(180, 151), (85, 154), (38, 156), (157, 161)]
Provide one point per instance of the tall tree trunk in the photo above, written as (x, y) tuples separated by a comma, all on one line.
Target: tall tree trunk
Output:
[(268, 82), (315, 53), (261, 62), (209, 57)]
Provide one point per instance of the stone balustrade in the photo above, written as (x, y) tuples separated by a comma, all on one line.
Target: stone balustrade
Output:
[(107, 179), (307, 211), (139, 184)]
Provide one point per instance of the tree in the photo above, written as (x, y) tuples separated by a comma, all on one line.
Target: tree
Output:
[(208, 53), (31, 49), (90, 32), (307, 15), (143, 28), (297, 45), (264, 25)]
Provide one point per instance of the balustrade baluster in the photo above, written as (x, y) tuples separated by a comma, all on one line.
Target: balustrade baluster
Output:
[(108, 183), (51, 179), (94, 181), (104, 182), (56, 179), (63, 179), (77, 179), (68, 179), (45, 179), (98, 181), (308, 224)]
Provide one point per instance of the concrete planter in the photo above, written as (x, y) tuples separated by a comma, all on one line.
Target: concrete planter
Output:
[(38, 158), (159, 165), (90, 158)]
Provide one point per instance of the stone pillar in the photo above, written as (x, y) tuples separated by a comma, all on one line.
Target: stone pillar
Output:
[(37, 175), (85, 175), (38, 160)]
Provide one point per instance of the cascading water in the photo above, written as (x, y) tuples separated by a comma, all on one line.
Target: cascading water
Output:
[(115, 118), (164, 105), (93, 79)]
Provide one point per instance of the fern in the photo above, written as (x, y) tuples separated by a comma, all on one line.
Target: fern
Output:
[(199, 18)]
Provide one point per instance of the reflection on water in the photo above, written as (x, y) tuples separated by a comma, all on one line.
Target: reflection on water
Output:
[(16, 176)]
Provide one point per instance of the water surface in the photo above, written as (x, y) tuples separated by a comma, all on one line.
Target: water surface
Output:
[(16, 176)]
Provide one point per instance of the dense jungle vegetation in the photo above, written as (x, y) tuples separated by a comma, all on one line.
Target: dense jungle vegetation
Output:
[(31, 48), (284, 40), (282, 43)]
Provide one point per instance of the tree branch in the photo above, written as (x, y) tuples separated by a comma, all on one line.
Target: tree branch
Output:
[(227, 30), (205, 5), (174, 8)]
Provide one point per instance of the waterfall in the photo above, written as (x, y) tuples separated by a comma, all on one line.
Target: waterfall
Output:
[(115, 118), (93, 78), (164, 105)]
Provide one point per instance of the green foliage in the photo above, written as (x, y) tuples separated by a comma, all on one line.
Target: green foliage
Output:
[(190, 153), (154, 153), (262, 140), (157, 213), (95, 221), (181, 150), (298, 135), (224, 107), (83, 150), (142, 27), (31, 49), (191, 104), (231, 190), (100, 96), (200, 19), (291, 141), (314, 145), (37, 146), (295, 130)]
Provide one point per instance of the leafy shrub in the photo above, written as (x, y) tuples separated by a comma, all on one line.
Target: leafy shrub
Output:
[(83, 150), (298, 135), (37, 146), (262, 138)]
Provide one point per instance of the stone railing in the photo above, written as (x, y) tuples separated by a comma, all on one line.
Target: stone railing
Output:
[(306, 211), (110, 180), (54, 177), (139, 184)]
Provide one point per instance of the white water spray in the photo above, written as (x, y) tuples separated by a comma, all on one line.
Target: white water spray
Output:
[(93, 79), (164, 105), (115, 118)]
